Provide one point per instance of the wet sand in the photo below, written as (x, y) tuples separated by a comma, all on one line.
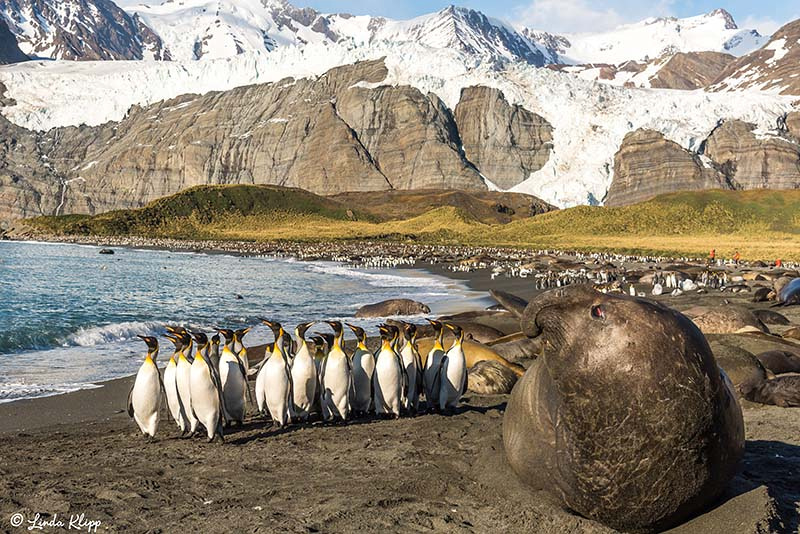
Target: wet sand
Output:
[(80, 453)]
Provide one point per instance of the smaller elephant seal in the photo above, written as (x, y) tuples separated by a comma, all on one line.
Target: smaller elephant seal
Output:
[(771, 317), (780, 361), (739, 365), (762, 294), (792, 333), (728, 320), (624, 387), (488, 377), (392, 307), (783, 391)]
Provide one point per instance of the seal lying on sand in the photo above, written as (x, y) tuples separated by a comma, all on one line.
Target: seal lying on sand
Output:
[(780, 361), (728, 320), (389, 308), (489, 377), (771, 317), (625, 418), (790, 293), (783, 390)]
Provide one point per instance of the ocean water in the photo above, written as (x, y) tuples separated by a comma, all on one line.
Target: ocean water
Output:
[(69, 316)]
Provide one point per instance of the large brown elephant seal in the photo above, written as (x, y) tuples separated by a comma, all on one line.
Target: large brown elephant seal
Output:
[(392, 307), (625, 418)]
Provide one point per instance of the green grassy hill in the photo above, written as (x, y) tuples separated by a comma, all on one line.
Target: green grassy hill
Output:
[(760, 224)]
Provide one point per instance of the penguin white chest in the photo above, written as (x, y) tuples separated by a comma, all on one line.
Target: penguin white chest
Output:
[(146, 398), (205, 399)]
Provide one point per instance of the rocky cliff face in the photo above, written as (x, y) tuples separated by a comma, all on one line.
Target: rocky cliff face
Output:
[(735, 156), (773, 67), (691, 70), (9, 49), (648, 164), (793, 125), (80, 29), (507, 143), (326, 135), (754, 161)]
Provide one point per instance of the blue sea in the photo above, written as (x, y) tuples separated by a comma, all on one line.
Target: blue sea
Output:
[(69, 316)]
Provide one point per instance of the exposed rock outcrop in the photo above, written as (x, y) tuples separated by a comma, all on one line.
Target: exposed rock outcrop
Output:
[(326, 135), (9, 49), (506, 142), (648, 164), (690, 70), (754, 161), (772, 67), (793, 125)]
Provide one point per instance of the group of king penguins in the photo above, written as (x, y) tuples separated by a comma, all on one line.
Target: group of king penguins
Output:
[(208, 387)]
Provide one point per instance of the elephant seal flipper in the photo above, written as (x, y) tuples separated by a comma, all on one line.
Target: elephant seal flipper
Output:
[(512, 303)]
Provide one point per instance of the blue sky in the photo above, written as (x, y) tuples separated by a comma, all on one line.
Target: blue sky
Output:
[(578, 15)]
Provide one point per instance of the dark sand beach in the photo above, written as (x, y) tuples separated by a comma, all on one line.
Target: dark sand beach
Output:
[(79, 453)]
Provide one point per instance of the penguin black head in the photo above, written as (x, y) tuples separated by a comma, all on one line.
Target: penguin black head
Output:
[(457, 330), (302, 328), (175, 329), (276, 327), (176, 340), (361, 335), (437, 326), (227, 333), (318, 341), (386, 335), (337, 327), (239, 334), (200, 338), (152, 343), (186, 339), (393, 331), (215, 339), (328, 339), (410, 331)]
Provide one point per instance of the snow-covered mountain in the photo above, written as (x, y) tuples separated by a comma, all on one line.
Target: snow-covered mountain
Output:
[(186, 30), (655, 37), (79, 29), (195, 29)]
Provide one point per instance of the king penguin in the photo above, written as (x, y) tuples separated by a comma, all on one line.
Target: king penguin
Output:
[(144, 399), (388, 384), (183, 376), (214, 352), (274, 380), (233, 377), (239, 349), (453, 374), (335, 378), (432, 364), (363, 369), (304, 376), (207, 402), (412, 362), (174, 403)]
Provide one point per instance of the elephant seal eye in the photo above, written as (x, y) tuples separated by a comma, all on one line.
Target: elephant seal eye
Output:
[(598, 312)]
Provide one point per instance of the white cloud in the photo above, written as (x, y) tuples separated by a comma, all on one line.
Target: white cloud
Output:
[(764, 25), (575, 16)]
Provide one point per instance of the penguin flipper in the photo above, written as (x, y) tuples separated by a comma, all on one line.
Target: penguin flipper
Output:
[(217, 381), (164, 393), (130, 402), (466, 381)]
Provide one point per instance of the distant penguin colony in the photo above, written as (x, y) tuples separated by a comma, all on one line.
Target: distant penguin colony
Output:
[(206, 387)]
